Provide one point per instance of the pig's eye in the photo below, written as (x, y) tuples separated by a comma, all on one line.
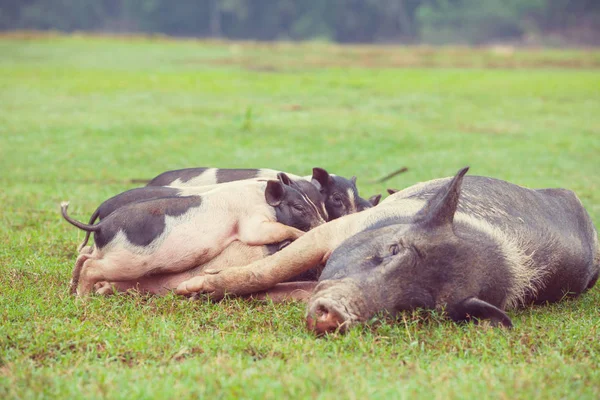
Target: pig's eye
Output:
[(337, 200), (298, 207), (394, 249)]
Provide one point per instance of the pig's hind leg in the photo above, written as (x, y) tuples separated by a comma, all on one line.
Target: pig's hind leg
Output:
[(101, 274), (88, 276), (81, 259), (104, 277), (126, 275)]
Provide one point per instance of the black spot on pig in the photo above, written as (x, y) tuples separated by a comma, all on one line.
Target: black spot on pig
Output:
[(128, 197), (134, 195), (184, 175), (230, 175), (144, 221)]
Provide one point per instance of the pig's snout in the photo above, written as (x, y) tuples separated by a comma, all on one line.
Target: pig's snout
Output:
[(337, 305), (325, 318)]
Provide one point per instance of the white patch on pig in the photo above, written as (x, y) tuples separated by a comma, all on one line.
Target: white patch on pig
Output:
[(195, 190), (265, 173), (526, 278), (397, 208), (233, 188), (324, 211), (351, 198)]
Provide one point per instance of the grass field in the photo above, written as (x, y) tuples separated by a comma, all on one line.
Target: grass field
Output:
[(80, 117)]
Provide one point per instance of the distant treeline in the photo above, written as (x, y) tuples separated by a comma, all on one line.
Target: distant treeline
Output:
[(408, 21)]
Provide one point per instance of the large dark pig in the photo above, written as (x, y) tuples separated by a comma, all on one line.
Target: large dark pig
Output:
[(175, 234), (340, 194), (474, 248)]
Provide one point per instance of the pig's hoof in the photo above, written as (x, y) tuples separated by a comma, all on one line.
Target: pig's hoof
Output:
[(193, 286), (197, 286), (104, 288)]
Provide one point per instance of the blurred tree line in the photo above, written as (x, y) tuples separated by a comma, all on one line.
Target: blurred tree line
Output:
[(409, 21)]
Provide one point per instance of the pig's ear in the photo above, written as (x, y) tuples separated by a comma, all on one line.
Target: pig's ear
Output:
[(479, 310), (320, 178), (282, 176), (274, 193), (440, 209), (392, 191), (374, 200)]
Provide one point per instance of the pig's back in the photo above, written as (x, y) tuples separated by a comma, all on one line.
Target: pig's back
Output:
[(509, 207), (209, 176)]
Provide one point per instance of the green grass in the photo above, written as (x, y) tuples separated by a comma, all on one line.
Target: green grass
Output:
[(80, 117)]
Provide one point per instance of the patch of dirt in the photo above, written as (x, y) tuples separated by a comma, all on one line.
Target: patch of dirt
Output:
[(315, 61), (275, 57)]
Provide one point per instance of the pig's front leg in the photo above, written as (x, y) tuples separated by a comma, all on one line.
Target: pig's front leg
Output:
[(260, 275), (310, 250), (259, 232)]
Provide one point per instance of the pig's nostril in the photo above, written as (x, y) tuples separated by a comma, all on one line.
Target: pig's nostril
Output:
[(323, 320)]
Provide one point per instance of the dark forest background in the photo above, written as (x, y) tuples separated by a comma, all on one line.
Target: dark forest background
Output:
[(549, 22)]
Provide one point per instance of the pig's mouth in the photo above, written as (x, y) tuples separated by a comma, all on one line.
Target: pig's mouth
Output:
[(336, 306)]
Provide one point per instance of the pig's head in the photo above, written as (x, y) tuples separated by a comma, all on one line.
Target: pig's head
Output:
[(293, 207), (401, 264), (340, 194), (312, 194)]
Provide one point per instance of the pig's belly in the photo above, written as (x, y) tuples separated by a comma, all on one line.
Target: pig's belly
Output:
[(236, 254), (155, 284)]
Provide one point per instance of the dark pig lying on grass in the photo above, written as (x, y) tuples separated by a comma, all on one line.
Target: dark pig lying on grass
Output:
[(311, 198), (175, 234), (471, 246), (340, 194)]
